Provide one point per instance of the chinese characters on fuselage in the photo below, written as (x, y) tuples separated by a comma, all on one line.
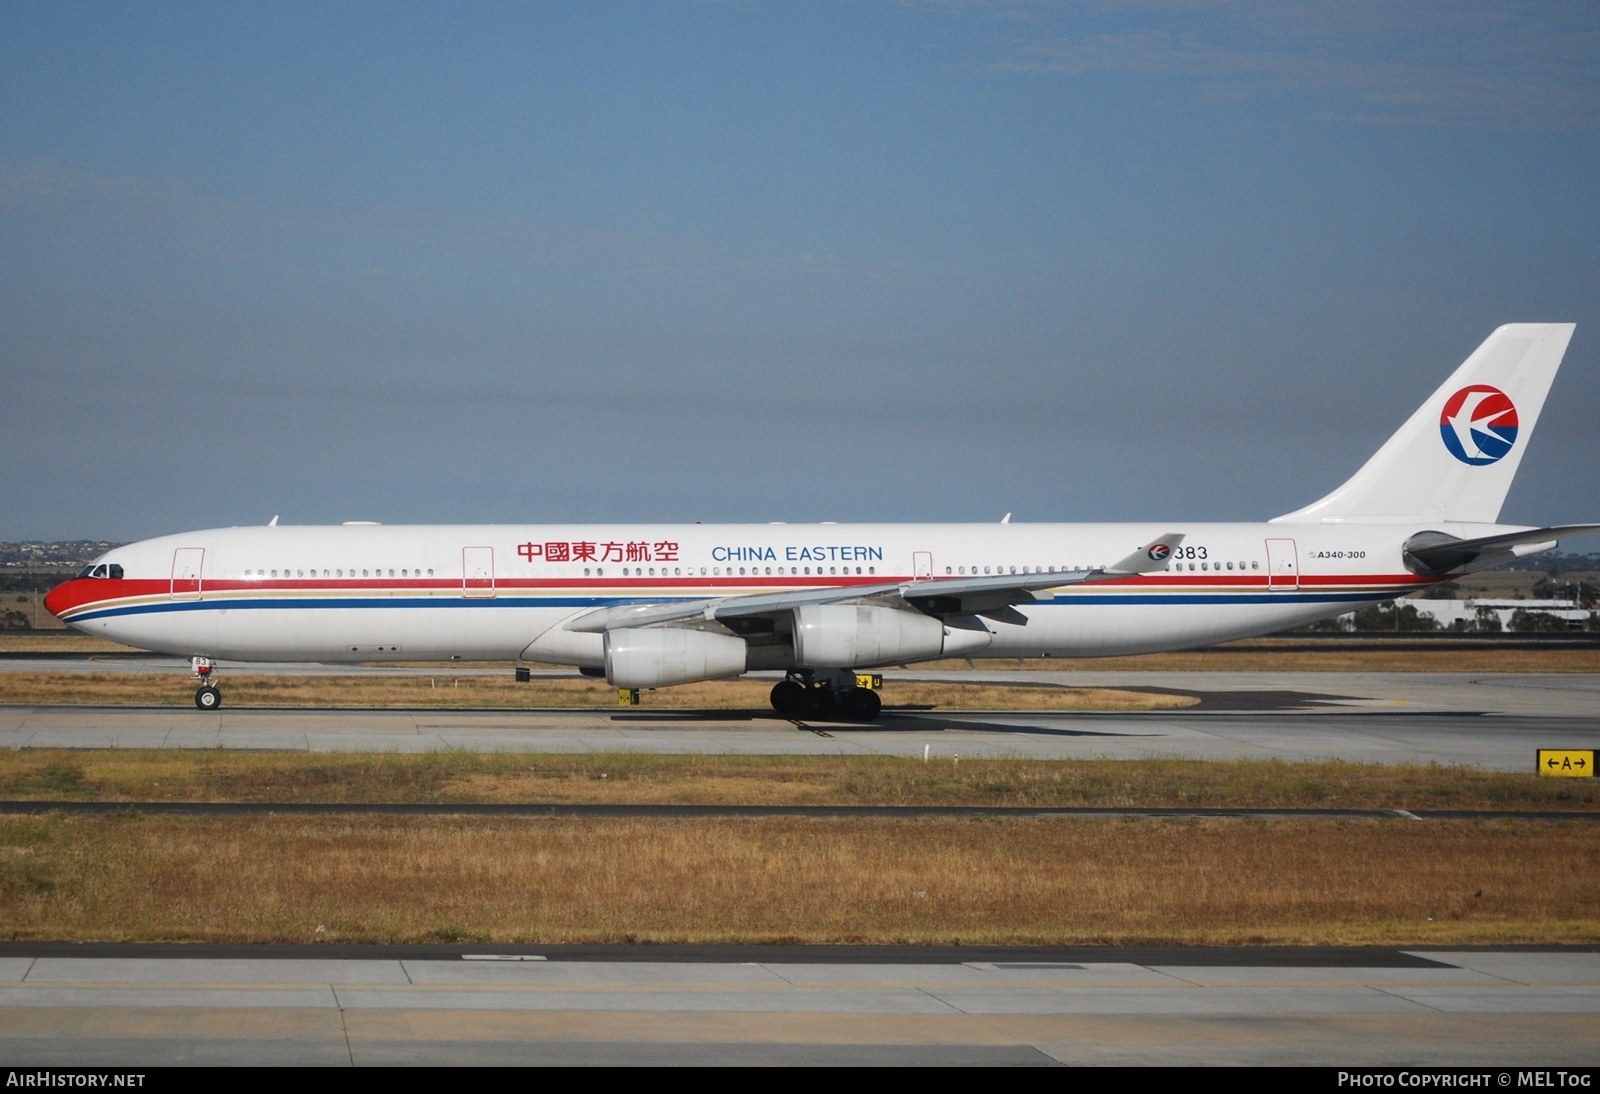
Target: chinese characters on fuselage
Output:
[(637, 550)]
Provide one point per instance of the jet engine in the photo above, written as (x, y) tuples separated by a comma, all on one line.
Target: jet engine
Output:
[(855, 635), (653, 657)]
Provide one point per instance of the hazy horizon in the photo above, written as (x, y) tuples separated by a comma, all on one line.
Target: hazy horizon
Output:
[(641, 262)]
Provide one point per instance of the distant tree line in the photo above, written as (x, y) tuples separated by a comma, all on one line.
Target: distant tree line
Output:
[(27, 581), (1392, 616), (1586, 593), (1555, 564)]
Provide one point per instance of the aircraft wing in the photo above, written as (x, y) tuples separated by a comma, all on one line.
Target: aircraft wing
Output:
[(991, 595), (1434, 553)]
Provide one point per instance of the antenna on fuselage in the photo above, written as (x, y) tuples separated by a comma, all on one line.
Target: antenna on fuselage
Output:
[(273, 523)]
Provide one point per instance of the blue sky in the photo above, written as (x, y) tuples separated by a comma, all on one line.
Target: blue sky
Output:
[(742, 261)]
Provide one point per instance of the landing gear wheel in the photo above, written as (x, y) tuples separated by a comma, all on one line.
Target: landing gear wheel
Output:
[(208, 697), (788, 698), (860, 705)]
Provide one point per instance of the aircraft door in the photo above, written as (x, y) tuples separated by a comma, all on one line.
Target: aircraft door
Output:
[(1283, 565), (186, 566), (477, 571), (921, 565)]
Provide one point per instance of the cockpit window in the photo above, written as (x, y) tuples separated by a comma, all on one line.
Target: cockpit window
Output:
[(102, 570), (88, 571), (116, 572)]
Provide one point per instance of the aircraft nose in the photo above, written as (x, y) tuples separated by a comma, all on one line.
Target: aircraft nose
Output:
[(59, 599)]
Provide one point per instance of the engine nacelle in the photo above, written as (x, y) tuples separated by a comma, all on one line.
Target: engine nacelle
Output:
[(844, 636), (654, 657)]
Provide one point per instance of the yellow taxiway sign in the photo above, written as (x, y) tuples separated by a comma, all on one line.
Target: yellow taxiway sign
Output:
[(1566, 763)]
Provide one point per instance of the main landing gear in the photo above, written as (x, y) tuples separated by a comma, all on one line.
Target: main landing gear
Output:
[(207, 696), (801, 695)]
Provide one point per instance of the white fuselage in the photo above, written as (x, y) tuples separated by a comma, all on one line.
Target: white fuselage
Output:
[(503, 592), (662, 604)]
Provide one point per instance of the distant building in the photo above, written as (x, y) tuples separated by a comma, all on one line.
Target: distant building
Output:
[(63, 555)]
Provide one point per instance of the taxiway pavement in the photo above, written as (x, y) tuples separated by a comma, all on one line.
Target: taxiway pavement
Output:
[(1494, 1009), (1493, 721)]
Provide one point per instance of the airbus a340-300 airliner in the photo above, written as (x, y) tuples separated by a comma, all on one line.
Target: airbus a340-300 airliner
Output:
[(655, 605)]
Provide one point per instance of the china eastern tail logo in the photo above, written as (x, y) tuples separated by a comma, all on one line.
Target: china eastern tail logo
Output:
[(1478, 424), (1159, 552)]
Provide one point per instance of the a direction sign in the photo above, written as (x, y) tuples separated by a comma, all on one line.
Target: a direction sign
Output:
[(1566, 763)]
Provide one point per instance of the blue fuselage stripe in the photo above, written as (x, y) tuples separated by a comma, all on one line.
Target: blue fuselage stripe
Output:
[(366, 603)]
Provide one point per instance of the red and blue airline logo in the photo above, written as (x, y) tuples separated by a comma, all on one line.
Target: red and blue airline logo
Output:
[(1478, 424), (1159, 552)]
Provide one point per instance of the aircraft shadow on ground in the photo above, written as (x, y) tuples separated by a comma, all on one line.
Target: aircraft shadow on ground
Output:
[(898, 720), (926, 719)]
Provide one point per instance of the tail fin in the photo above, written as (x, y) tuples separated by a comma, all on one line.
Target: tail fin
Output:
[(1454, 459)]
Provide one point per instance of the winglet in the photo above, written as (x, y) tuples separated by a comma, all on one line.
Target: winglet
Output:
[(1151, 557)]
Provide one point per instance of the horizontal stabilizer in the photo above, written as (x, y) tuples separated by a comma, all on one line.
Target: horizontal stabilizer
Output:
[(1433, 553)]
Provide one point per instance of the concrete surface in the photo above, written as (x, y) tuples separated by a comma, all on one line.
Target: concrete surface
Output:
[(1478, 1008), (1490, 721)]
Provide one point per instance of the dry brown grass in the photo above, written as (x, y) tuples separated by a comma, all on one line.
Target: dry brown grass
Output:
[(58, 641), (31, 605), (649, 779), (791, 880), (503, 692)]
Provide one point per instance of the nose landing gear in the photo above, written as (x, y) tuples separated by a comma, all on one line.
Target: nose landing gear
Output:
[(801, 694), (207, 696)]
